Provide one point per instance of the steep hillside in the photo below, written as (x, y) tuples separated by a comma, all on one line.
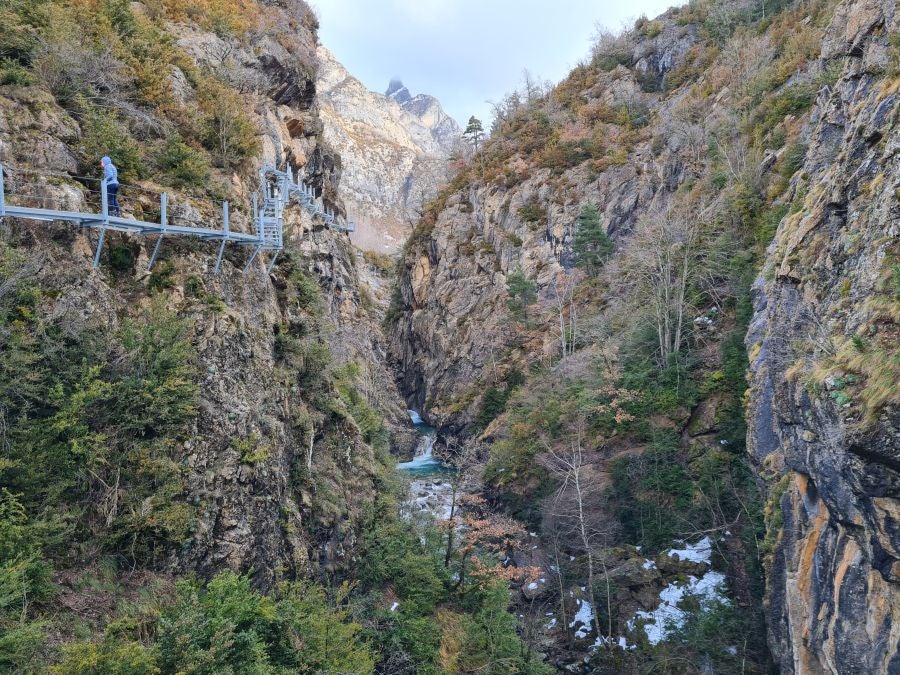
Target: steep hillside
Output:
[(196, 470), (395, 151), (720, 140), (174, 422)]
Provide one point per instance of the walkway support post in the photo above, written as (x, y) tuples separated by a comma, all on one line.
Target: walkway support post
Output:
[(2, 194), (225, 231), (163, 221), (272, 262), (253, 257), (104, 211)]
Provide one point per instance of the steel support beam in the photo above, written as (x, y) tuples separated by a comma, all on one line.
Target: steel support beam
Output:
[(163, 220), (225, 230), (99, 247), (253, 257), (272, 261)]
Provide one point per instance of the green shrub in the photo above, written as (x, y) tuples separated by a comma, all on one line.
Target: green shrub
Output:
[(767, 224), (21, 20), (558, 156), (522, 293), (226, 627), (791, 100), (120, 16), (103, 134), (792, 159), (161, 276), (306, 292), (228, 132), (83, 421), (183, 165), (122, 258), (367, 418), (513, 239), (395, 306), (24, 579), (649, 81), (14, 73), (591, 245), (194, 286), (113, 655), (491, 644), (251, 449), (384, 263), (532, 212)]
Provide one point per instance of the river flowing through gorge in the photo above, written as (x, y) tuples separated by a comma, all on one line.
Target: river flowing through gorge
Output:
[(430, 491)]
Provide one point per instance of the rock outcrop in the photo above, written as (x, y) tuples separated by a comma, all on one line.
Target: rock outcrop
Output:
[(395, 151), (823, 415), (429, 111)]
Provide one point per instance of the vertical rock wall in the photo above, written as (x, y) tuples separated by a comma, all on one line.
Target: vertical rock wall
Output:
[(824, 333)]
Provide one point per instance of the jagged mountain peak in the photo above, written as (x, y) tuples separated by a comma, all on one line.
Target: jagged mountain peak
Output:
[(397, 91)]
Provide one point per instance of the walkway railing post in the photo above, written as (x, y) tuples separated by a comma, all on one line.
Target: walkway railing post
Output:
[(225, 230), (163, 221), (104, 211), (104, 204), (2, 194)]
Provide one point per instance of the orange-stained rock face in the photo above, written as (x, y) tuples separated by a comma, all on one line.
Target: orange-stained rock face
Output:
[(833, 592), (420, 279)]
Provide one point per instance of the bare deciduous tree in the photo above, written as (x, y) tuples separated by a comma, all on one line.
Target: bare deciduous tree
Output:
[(564, 296), (669, 255), (575, 507), (465, 460), (687, 123)]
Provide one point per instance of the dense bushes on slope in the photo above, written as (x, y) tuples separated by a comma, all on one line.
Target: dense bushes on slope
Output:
[(93, 421), (225, 626)]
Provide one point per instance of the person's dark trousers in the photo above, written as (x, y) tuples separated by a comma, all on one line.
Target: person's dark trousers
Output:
[(112, 195)]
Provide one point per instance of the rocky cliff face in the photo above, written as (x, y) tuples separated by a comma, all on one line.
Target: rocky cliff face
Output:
[(394, 147), (456, 323), (824, 421), (257, 514)]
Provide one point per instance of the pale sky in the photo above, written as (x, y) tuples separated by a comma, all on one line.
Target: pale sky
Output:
[(467, 52)]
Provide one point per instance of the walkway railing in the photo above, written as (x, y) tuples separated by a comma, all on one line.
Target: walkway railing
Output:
[(277, 189)]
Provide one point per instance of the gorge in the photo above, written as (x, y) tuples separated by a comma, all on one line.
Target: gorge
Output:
[(617, 391)]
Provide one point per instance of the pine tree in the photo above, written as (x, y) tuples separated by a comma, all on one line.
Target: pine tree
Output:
[(522, 292), (592, 245), (474, 131)]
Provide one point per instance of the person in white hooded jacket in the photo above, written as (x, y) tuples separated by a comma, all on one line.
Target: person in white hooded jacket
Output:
[(111, 178)]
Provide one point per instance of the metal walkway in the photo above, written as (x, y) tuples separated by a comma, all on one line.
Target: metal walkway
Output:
[(277, 189)]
